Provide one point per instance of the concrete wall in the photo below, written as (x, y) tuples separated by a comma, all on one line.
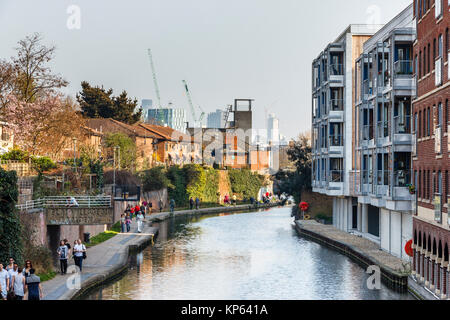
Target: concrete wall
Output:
[(395, 232)]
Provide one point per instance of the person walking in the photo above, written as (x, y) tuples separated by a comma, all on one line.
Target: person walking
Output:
[(197, 203), (122, 223), (143, 208), (18, 285), (150, 207), (140, 219), (66, 242), (11, 273), (4, 283), (131, 213), (172, 206), (161, 205), (128, 223), (234, 199), (79, 251), (28, 267), (11, 264), (63, 253), (33, 286), (191, 203)]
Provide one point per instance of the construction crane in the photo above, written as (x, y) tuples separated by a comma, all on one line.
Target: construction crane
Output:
[(155, 82), (191, 104)]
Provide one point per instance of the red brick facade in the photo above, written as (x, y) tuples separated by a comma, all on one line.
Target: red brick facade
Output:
[(431, 161), (430, 99)]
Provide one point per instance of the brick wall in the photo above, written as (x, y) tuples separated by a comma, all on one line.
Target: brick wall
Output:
[(428, 162)]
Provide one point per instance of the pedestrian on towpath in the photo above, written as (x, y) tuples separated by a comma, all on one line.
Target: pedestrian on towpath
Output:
[(11, 273), (128, 222), (172, 206), (150, 207), (161, 205), (18, 285), (191, 203), (234, 199), (140, 221), (122, 223), (33, 286), (4, 283), (143, 208), (11, 264), (28, 267), (197, 203), (79, 252), (63, 253)]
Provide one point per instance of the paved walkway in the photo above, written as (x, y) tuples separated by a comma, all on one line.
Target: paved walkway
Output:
[(367, 247), (103, 261)]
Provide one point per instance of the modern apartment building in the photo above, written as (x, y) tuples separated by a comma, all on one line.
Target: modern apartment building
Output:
[(431, 224), (333, 136), (216, 119), (385, 88), (170, 117)]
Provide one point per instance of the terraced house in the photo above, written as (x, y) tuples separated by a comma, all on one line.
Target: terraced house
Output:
[(385, 86), (333, 122), (431, 157)]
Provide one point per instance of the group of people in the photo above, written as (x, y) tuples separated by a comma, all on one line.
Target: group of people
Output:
[(138, 212), (232, 201), (17, 283), (196, 202), (78, 253)]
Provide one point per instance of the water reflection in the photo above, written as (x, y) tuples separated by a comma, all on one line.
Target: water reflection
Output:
[(239, 256)]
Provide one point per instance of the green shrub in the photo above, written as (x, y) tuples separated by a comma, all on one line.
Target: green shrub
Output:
[(245, 183), (10, 227), (17, 155), (154, 179)]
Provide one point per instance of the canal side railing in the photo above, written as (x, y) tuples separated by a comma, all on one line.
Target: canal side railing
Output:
[(100, 201)]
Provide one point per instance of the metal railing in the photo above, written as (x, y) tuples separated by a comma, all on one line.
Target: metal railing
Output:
[(382, 177), (336, 140), (382, 129), (402, 178), (336, 176), (337, 104), (336, 69), (402, 124), (367, 87), (403, 67), (367, 132), (367, 177), (67, 202)]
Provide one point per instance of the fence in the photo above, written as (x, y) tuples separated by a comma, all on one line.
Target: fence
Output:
[(67, 201), (23, 169)]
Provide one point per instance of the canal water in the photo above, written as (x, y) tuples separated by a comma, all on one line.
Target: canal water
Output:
[(255, 255)]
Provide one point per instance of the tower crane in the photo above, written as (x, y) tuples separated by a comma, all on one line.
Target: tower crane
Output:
[(155, 82), (191, 105)]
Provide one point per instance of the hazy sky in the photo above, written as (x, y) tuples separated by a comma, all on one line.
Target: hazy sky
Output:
[(259, 49)]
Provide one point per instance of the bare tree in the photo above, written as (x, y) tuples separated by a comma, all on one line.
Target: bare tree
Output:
[(7, 80), (34, 78)]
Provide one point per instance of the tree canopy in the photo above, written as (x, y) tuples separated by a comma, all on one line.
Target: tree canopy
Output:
[(295, 182), (96, 102)]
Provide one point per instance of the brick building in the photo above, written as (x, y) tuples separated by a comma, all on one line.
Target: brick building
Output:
[(430, 155)]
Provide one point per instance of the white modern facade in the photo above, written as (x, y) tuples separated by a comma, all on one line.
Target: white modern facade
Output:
[(333, 138), (273, 129), (385, 85)]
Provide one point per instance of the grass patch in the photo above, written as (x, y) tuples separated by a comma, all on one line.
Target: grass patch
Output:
[(101, 237), (47, 276)]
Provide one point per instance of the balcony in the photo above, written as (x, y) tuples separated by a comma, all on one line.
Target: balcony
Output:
[(336, 176), (337, 105), (402, 125), (403, 67), (336, 70), (336, 140), (402, 178), (382, 129)]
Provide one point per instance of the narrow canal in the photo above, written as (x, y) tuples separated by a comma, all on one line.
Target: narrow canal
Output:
[(254, 255)]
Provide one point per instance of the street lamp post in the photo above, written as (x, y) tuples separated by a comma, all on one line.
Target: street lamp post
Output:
[(74, 154)]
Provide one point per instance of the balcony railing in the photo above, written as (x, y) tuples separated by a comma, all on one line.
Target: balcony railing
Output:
[(402, 125), (403, 67), (402, 178), (67, 202), (337, 104), (382, 129), (336, 69), (367, 87), (336, 176), (336, 140), (382, 177), (367, 132), (367, 176)]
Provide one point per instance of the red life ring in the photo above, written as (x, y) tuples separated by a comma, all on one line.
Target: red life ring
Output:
[(304, 206)]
